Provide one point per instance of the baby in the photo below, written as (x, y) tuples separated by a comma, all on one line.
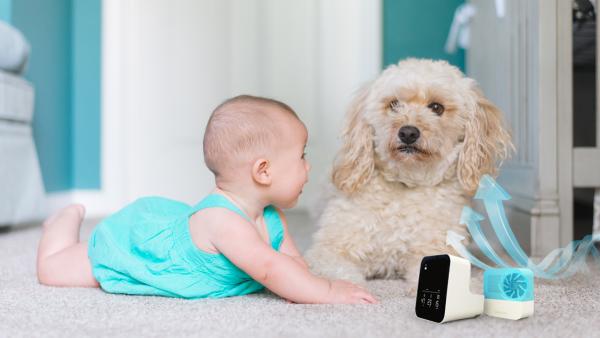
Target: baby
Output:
[(233, 242)]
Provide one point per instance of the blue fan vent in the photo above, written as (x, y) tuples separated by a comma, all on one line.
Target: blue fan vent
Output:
[(514, 285)]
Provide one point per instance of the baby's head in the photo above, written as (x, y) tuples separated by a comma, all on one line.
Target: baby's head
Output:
[(257, 143)]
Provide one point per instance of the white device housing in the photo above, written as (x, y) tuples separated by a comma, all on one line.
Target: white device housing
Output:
[(434, 276), (461, 303), (508, 309)]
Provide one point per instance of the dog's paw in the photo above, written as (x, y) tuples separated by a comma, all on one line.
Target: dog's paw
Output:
[(327, 265), (410, 291), (350, 275), (411, 286)]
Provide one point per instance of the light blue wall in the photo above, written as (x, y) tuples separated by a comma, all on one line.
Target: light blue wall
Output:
[(47, 25), (418, 29), (5, 10), (64, 67), (85, 93)]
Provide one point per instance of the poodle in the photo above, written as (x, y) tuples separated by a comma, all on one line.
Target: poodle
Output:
[(416, 141)]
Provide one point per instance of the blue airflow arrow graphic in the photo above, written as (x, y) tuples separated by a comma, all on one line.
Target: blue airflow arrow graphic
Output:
[(560, 263), (471, 219), (455, 240), (493, 197)]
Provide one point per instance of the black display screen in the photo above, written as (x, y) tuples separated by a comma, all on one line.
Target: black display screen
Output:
[(433, 285)]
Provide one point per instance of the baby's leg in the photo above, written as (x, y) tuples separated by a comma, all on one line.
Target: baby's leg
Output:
[(62, 259)]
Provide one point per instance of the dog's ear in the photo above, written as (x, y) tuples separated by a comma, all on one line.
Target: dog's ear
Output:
[(486, 143), (354, 163)]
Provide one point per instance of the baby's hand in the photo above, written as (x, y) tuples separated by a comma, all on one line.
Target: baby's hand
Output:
[(343, 292)]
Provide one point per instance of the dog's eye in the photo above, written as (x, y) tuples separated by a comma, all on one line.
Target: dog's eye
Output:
[(394, 104), (436, 108)]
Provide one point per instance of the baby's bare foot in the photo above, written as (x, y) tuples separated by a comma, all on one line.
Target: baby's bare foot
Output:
[(61, 230), (70, 211)]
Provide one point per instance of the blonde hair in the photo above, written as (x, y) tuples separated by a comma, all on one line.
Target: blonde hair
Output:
[(242, 127)]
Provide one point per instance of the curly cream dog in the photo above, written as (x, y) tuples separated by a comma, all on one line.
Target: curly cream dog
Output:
[(416, 142)]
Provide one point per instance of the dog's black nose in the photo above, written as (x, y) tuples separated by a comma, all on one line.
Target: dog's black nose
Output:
[(409, 134)]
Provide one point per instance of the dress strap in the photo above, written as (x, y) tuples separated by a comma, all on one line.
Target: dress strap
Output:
[(273, 221), (274, 226), (218, 201)]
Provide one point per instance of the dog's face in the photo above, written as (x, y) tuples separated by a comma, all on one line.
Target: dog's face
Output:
[(417, 113), (418, 123)]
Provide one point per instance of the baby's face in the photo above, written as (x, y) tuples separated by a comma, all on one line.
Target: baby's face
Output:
[(290, 167)]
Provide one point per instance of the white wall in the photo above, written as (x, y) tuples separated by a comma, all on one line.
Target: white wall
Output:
[(167, 64)]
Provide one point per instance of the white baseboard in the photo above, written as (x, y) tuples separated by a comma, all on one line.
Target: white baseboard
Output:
[(97, 202)]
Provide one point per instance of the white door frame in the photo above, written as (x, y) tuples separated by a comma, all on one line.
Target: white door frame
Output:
[(564, 79)]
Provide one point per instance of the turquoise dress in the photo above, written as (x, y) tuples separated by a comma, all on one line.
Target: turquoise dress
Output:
[(146, 249)]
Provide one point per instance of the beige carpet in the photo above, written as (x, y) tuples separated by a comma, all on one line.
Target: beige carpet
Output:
[(27, 309)]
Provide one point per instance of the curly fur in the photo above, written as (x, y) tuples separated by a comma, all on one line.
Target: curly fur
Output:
[(390, 208)]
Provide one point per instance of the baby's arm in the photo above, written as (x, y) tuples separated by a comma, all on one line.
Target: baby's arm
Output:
[(288, 246), (241, 244)]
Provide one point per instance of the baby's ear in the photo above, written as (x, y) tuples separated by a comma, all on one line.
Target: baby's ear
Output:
[(261, 172)]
